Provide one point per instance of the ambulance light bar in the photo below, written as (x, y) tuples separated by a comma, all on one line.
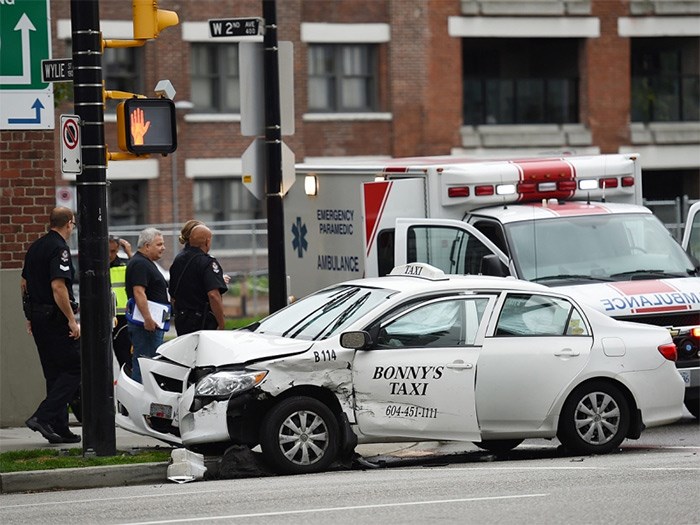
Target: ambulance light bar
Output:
[(536, 189)]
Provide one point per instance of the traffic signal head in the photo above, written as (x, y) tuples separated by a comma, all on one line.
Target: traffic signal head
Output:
[(149, 21), (147, 125)]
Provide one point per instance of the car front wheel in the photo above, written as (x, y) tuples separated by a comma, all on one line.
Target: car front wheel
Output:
[(594, 420), (299, 435)]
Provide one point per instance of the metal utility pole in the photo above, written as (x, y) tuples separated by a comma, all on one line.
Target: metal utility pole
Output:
[(95, 292), (273, 149)]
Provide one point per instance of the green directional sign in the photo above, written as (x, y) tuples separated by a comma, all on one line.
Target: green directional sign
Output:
[(26, 42), (26, 101)]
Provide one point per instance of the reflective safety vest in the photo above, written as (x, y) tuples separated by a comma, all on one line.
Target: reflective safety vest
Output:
[(117, 276)]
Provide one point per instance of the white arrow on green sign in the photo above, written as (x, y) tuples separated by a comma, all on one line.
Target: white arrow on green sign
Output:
[(26, 100)]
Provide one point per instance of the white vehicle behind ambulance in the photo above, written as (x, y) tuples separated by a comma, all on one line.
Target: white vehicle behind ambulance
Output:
[(575, 223)]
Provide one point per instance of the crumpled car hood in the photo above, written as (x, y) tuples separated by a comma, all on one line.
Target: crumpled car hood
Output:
[(225, 347)]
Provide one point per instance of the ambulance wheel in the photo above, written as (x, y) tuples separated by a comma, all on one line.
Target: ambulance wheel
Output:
[(299, 435), (594, 420), (498, 446)]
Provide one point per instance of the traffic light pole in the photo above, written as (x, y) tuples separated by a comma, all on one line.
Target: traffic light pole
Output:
[(99, 436), (273, 148)]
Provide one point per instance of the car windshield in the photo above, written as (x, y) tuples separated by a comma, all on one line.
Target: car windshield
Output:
[(613, 247), (324, 313)]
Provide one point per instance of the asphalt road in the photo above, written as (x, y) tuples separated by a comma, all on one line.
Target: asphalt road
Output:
[(653, 480)]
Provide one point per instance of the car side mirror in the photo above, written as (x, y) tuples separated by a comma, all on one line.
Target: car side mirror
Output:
[(355, 340), (492, 265)]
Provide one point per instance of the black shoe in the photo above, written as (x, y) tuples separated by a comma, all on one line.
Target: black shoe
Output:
[(44, 429), (68, 437)]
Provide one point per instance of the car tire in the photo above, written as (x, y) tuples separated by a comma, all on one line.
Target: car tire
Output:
[(693, 406), (594, 419), (498, 446), (286, 440)]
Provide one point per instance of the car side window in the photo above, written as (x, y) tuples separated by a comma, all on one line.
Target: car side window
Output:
[(439, 324), (539, 315)]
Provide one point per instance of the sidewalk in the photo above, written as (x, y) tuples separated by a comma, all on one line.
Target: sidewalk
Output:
[(22, 438)]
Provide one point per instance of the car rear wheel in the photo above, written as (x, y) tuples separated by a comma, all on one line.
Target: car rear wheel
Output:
[(594, 419), (299, 435), (498, 446), (693, 406)]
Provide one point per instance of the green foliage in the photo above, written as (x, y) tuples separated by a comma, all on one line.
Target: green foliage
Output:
[(260, 284), (62, 91), (48, 459), (233, 324)]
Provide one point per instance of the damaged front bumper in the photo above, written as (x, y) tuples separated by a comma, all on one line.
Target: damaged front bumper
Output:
[(151, 408)]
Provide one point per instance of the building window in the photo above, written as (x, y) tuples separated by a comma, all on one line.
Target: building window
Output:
[(665, 80), (127, 202), (342, 78), (215, 78), (223, 200), (519, 81), (121, 69)]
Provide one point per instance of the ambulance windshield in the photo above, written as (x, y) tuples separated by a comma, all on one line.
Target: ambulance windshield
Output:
[(616, 247)]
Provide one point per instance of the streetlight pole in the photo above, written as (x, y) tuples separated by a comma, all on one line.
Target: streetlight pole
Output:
[(273, 148), (99, 436)]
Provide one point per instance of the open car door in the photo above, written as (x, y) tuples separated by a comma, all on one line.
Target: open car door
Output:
[(453, 246), (691, 233)]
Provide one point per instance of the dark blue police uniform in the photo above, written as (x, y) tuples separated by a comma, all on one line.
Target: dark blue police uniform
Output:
[(192, 275), (48, 258)]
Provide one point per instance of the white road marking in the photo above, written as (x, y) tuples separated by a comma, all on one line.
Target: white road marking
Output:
[(335, 509)]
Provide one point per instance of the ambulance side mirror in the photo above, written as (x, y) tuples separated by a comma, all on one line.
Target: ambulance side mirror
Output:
[(492, 265)]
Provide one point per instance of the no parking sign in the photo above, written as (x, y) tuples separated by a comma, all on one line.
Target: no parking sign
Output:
[(71, 154)]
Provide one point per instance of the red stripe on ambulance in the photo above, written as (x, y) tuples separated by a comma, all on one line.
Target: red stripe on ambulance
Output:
[(376, 195)]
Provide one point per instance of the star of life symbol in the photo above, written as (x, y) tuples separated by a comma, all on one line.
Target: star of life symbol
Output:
[(299, 241)]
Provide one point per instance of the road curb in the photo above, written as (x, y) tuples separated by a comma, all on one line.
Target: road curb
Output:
[(83, 478)]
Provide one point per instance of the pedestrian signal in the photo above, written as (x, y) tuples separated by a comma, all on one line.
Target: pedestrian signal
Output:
[(147, 125)]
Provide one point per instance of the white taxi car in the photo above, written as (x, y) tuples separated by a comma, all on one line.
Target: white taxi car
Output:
[(413, 356)]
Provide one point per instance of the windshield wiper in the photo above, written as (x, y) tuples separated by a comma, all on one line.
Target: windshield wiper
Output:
[(313, 316), (565, 276), (344, 316), (646, 273)]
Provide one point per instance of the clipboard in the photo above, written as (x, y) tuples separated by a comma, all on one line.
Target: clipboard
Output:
[(159, 312)]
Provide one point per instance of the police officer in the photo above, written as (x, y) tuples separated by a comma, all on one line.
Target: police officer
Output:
[(121, 342), (196, 285), (49, 306)]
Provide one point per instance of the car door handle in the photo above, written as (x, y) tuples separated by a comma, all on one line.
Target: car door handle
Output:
[(460, 365), (567, 352)]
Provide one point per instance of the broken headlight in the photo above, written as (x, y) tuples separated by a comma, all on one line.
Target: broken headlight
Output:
[(229, 382)]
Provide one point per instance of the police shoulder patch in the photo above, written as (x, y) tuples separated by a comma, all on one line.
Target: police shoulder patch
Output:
[(65, 256), (215, 267)]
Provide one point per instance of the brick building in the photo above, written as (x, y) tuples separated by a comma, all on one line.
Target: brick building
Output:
[(383, 78), (377, 78)]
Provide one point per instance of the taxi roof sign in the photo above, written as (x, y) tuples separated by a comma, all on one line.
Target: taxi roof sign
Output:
[(422, 270)]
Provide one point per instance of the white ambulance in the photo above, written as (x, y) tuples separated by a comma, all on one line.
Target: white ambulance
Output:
[(571, 222)]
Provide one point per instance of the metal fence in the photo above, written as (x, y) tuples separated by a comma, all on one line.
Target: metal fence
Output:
[(239, 246), (672, 213)]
